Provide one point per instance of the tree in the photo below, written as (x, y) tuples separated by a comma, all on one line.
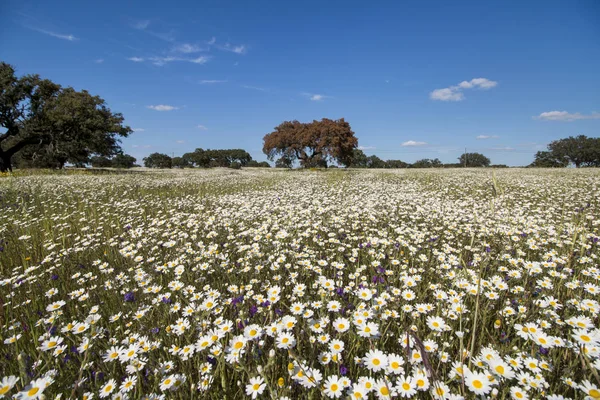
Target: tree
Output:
[(313, 143), (180, 162), (396, 164), (427, 163), (100, 162), (547, 159), (375, 162), (123, 161), (57, 124), (157, 160), (256, 164), (359, 159), (198, 158), (580, 151), (284, 162), (474, 160)]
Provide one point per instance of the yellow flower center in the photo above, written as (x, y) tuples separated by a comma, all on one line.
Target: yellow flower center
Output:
[(477, 384), (405, 386), (33, 391), (334, 387), (376, 362)]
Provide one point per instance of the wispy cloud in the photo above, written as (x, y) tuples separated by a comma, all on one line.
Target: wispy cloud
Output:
[(99, 60), (409, 143), (234, 48), (502, 148), (255, 88), (160, 61), (202, 127), (142, 24), (566, 116), (211, 81), (138, 129), (70, 38), (367, 147), (180, 141), (200, 60), (315, 96), (188, 48), (162, 107), (455, 93), (482, 137)]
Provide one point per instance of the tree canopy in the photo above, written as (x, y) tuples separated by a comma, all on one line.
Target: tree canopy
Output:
[(474, 160), (580, 151), (313, 143), (52, 123), (158, 160)]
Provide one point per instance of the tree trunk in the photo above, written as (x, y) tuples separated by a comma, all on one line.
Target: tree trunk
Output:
[(5, 162)]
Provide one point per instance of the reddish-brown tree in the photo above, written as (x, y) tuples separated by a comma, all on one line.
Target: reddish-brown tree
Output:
[(312, 143)]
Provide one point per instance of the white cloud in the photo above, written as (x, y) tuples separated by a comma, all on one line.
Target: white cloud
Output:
[(211, 81), (413, 143), (160, 61), (566, 116), (138, 129), (454, 93), (180, 141), (367, 147), (481, 83), (200, 60), (162, 107), (70, 38), (315, 96), (202, 127), (447, 94), (255, 88), (504, 148), (99, 60), (187, 48), (487, 137), (238, 49), (141, 25)]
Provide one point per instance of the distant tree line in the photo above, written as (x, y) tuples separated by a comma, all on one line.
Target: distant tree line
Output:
[(580, 151), (361, 160), (200, 158)]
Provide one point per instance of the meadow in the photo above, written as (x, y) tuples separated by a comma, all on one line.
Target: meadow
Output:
[(273, 284)]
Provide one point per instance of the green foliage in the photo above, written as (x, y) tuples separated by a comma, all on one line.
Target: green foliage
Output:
[(427, 163), (52, 125), (123, 161), (474, 160), (235, 165), (158, 160), (547, 159), (580, 151)]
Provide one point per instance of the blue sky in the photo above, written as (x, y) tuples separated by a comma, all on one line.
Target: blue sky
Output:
[(415, 79)]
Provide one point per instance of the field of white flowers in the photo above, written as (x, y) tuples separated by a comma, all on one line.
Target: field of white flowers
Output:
[(271, 284)]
